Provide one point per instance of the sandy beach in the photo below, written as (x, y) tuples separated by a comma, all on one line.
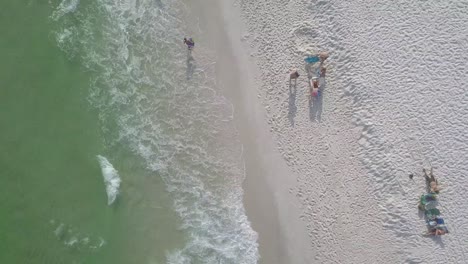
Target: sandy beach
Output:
[(327, 178), (273, 197), (264, 167)]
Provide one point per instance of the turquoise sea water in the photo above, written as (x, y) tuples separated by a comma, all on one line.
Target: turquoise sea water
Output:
[(81, 79)]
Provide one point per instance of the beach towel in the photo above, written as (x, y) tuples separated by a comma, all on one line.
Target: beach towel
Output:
[(312, 59), (431, 214)]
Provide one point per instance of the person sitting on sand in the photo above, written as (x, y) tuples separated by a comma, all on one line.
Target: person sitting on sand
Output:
[(431, 181), (323, 56)]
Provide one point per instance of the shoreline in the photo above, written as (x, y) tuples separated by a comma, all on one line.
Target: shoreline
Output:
[(308, 159), (271, 208), (321, 184), (351, 149), (268, 180), (317, 139)]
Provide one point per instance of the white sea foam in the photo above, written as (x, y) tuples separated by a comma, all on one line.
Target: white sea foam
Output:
[(72, 238), (111, 179), (59, 230), (65, 7), (167, 110)]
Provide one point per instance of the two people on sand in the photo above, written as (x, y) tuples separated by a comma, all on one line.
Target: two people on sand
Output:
[(435, 223), (314, 83)]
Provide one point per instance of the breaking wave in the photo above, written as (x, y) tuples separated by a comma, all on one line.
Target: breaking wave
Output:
[(165, 107), (111, 179)]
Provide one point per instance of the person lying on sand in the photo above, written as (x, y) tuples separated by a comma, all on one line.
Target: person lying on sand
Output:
[(431, 181)]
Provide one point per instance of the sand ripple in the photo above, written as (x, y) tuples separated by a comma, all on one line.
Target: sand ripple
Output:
[(393, 103)]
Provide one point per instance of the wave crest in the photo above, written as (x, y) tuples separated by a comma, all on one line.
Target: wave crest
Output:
[(111, 179)]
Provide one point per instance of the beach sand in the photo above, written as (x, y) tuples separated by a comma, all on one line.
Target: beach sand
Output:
[(274, 194), (274, 215), (327, 179)]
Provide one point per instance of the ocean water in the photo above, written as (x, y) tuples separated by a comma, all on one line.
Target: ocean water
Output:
[(117, 146)]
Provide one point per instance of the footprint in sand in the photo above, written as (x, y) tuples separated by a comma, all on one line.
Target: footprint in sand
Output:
[(304, 36)]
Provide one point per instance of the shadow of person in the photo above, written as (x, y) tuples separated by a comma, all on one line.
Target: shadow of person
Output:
[(438, 240), (316, 103), (315, 107), (190, 65), (292, 101), (420, 213), (309, 70)]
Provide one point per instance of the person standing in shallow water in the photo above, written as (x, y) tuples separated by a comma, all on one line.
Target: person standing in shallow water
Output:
[(190, 43)]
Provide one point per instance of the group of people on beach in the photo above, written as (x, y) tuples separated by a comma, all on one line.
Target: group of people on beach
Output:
[(428, 203), (294, 75), (313, 80)]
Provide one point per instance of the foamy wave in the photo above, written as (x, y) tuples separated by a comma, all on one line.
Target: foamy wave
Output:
[(65, 7), (70, 237), (177, 127), (111, 179)]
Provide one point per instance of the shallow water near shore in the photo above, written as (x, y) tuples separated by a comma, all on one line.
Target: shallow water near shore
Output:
[(109, 83)]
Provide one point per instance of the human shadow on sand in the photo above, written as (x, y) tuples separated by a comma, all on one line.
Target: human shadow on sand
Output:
[(292, 101), (316, 103), (190, 65), (438, 240)]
